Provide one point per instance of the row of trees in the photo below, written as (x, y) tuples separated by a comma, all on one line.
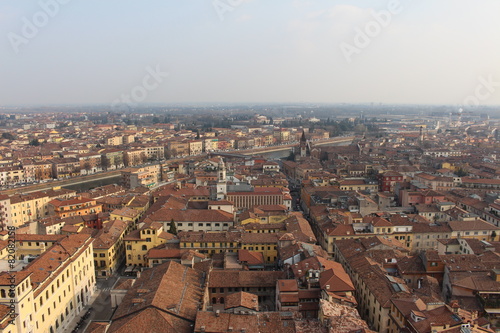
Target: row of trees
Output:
[(11, 137)]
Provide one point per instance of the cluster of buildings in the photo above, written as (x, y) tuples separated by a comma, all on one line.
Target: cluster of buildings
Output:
[(391, 233), (57, 150)]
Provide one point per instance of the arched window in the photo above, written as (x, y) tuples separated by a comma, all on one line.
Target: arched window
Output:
[(221, 300), (214, 300), (2, 293)]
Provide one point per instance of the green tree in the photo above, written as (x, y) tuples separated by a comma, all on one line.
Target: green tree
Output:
[(34, 142), (8, 136), (87, 166), (173, 227), (105, 162)]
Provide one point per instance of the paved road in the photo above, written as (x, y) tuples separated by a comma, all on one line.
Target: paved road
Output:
[(101, 305), (55, 183)]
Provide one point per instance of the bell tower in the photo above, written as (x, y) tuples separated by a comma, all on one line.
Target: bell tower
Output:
[(303, 145), (221, 180)]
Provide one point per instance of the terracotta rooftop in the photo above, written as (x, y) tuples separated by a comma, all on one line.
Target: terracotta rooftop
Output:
[(242, 299), (288, 285), (226, 278), (251, 257), (265, 322), (165, 296)]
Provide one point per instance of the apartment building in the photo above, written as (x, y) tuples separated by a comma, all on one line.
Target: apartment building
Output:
[(478, 229), (90, 163), (195, 147), (210, 242), (52, 289), (265, 243), (114, 141), (177, 148), (374, 286), (73, 207), (155, 152), (222, 283), (109, 248), (209, 220), (210, 144), (65, 167), (32, 206), (11, 175), (127, 214), (5, 211), (112, 159), (133, 157), (36, 170), (260, 196), (139, 242), (146, 176)]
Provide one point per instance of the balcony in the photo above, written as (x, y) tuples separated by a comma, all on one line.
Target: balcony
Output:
[(491, 303)]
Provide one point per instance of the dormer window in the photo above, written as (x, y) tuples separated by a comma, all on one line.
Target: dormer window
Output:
[(417, 316)]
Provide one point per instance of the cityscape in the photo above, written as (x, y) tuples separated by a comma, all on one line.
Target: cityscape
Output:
[(249, 167)]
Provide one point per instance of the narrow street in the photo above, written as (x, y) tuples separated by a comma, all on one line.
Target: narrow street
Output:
[(100, 305)]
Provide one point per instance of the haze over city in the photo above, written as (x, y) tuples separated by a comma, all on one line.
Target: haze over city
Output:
[(85, 52)]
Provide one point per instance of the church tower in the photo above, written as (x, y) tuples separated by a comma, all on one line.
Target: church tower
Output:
[(221, 180), (303, 145)]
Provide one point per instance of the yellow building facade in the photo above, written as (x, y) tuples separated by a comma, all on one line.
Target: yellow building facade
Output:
[(53, 289), (109, 248), (139, 242)]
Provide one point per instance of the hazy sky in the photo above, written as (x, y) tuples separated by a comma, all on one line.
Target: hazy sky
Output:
[(120, 51)]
